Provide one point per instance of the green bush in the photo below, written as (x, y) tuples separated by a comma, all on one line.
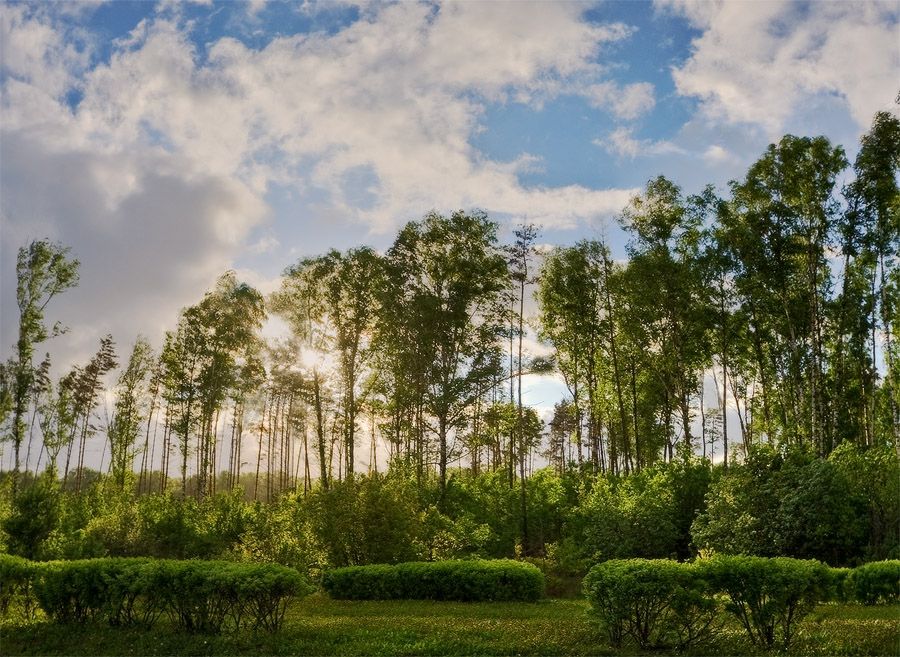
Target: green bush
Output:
[(841, 585), (654, 603), (200, 596), (110, 590), (17, 586), (463, 581), (768, 596), (211, 596), (877, 582)]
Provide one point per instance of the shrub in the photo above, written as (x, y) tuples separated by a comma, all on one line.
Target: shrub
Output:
[(200, 596), (877, 582), (210, 596), (768, 596), (841, 585), (94, 590), (265, 590), (17, 586), (463, 581), (655, 603)]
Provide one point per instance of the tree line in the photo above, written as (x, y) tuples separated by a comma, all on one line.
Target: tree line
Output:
[(784, 292)]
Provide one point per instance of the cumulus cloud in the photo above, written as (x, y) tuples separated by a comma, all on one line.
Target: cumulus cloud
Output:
[(625, 102), (755, 62), (621, 142), (158, 175)]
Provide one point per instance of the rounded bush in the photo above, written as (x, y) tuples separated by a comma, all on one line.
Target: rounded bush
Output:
[(877, 582), (199, 596), (654, 603), (462, 581), (769, 596)]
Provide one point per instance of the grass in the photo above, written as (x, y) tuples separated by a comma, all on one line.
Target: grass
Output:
[(320, 626)]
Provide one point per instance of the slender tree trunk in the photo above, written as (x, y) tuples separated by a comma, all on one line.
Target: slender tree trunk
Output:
[(889, 382), (320, 430)]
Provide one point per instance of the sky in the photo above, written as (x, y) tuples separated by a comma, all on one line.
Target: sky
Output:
[(167, 142)]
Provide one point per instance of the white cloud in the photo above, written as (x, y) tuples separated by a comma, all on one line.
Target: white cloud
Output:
[(755, 62), (716, 154), (158, 177), (620, 142), (628, 102)]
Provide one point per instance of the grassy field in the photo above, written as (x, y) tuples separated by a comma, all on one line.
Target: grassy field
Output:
[(319, 626)]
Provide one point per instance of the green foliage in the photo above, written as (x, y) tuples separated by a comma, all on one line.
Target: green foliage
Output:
[(211, 596), (841, 585), (873, 474), (94, 590), (877, 582), (784, 502), (647, 514), (199, 596), (282, 533), (17, 586), (365, 520), (463, 581), (34, 516), (655, 603), (768, 596)]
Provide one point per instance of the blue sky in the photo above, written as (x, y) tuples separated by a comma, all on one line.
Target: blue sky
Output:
[(168, 142)]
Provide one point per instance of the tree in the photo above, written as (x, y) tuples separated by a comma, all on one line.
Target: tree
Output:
[(520, 254), (726, 319), (43, 270), (341, 289), (568, 296), (779, 227), (663, 294), (868, 300), (441, 311), (128, 411), (202, 361), (87, 383)]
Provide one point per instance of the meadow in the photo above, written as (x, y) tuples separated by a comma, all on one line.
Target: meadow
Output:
[(318, 625)]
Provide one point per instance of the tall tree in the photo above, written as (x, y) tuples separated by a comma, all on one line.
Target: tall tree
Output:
[(201, 364), (521, 252), (43, 270), (868, 303), (343, 289), (88, 382), (442, 300), (725, 317), (664, 289), (129, 411), (569, 301), (780, 227)]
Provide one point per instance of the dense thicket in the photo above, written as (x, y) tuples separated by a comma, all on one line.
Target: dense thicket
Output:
[(779, 300)]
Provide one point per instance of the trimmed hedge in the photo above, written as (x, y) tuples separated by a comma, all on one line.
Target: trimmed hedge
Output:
[(769, 596), (665, 604), (841, 585), (877, 582), (199, 596), (654, 603), (17, 586), (209, 596), (462, 581), (94, 590)]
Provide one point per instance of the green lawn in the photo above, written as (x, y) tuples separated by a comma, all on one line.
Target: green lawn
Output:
[(319, 626)]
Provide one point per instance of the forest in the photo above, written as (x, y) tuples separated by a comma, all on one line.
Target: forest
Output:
[(389, 425)]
